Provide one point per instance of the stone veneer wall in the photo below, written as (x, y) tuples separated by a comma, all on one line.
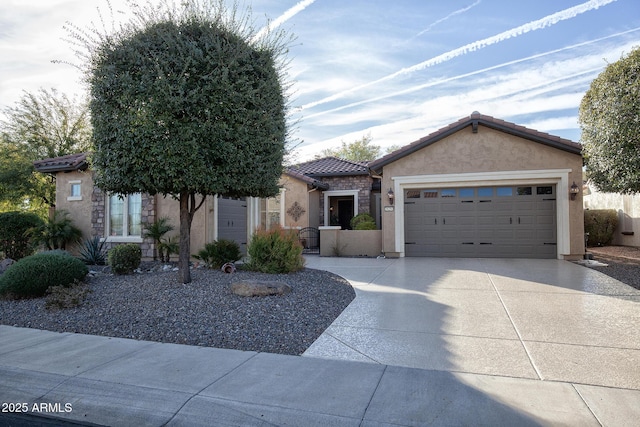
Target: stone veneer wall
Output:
[(362, 183), (98, 219)]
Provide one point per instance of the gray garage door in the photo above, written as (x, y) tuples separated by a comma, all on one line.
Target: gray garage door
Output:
[(232, 221), (509, 221)]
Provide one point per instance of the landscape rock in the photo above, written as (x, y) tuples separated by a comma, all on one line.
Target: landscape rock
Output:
[(259, 288), (5, 263)]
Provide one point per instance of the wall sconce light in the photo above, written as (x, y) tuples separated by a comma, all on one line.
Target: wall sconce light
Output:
[(574, 190), (391, 196)]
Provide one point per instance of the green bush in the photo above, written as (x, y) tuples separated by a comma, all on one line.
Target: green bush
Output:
[(56, 232), (363, 221), (275, 251), (33, 275), (218, 253), (600, 224), (124, 259), (14, 241)]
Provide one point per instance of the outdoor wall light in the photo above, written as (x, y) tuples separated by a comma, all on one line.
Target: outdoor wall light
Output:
[(574, 190), (391, 196)]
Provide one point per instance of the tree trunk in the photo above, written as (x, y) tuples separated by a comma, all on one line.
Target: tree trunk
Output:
[(186, 216)]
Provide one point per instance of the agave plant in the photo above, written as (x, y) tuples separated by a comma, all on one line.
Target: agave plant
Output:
[(93, 251)]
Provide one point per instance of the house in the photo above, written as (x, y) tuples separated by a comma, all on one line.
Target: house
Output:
[(480, 187), (483, 187), (311, 194)]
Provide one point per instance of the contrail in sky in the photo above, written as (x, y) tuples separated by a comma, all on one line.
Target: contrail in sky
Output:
[(472, 73), (547, 21), (290, 13), (441, 20)]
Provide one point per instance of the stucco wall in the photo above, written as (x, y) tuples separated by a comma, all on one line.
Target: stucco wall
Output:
[(487, 151), (79, 210), (628, 208), (295, 191)]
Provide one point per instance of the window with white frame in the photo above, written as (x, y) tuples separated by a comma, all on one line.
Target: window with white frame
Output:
[(75, 190), (271, 211), (125, 215)]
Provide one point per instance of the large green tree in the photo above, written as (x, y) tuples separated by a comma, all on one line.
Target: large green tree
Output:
[(41, 125), (360, 150), (610, 122), (187, 101)]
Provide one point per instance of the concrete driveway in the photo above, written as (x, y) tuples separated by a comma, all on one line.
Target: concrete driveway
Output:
[(537, 319)]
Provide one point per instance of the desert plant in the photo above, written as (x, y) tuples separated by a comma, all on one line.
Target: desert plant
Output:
[(66, 296), (56, 232), (600, 224), (357, 220), (218, 253), (124, 259), (33, 275), (275, 251), (156, 231), (167, 247), (14, 240), (93, 251)]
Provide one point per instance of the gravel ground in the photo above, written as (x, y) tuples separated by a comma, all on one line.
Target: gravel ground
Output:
[(153, 306), (623, 263)]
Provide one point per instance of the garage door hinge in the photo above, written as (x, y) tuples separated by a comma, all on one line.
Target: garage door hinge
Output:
[(409, 243), (546, 243), (467, 243)]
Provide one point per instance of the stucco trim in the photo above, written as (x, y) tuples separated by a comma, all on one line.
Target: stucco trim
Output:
[(560, 177)]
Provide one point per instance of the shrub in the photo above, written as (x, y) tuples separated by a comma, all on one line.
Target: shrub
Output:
[(66, 296), (33, 275), (124, 259), (14, 241), (167, 247), (363, 221), (93, 251), (156, 231), (275, 251), (600, 224), (56, 232), (218, 253)]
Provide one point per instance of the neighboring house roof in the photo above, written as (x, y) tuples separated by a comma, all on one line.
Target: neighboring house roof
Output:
[(474, 120), (310, 181), (71, 162), (330, 166)]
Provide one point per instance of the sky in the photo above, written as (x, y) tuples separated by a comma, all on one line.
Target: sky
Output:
[(392, 70)]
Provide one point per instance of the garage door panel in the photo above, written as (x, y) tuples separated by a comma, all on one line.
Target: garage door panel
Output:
[(503, 222)]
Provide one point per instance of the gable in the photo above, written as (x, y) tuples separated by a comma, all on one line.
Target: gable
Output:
[(480, 136)]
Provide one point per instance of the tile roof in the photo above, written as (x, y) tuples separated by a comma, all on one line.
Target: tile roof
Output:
[(330, 166), (474, 120), (311, 181), (71, 162)]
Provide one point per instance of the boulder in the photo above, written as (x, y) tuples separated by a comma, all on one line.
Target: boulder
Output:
[(5, 263), (259, 288)]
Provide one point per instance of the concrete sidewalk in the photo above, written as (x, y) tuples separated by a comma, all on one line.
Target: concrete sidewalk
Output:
[(120, 382), (425, 342)]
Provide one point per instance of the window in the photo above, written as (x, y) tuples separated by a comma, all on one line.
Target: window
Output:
[(466, 192), (523, 191), (75, 191), (504, 191), (448, 193), (270, 211), (125, 215), (413, 194), (429, 194), (485, 192)]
